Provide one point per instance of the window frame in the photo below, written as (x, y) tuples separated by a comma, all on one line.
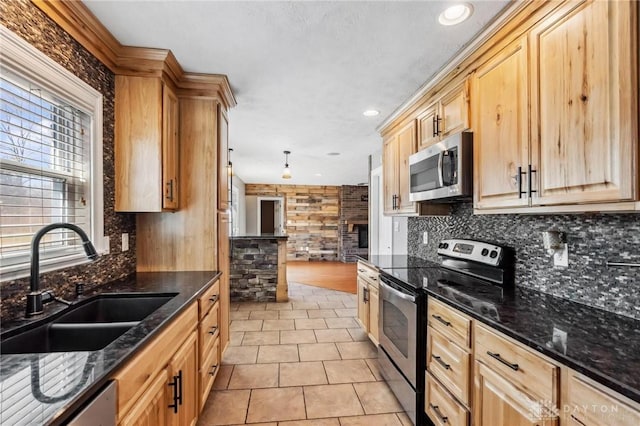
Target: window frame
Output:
[(21, 58)]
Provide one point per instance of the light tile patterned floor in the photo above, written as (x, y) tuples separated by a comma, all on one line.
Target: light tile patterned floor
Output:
[(301, 363)]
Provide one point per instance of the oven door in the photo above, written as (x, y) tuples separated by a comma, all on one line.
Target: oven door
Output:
[(398, 327)]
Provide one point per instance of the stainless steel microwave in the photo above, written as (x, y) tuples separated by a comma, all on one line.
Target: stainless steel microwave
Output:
[(443, 171)]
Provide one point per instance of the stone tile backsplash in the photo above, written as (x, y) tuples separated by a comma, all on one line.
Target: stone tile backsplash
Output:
[(592, 238), (29, 22)]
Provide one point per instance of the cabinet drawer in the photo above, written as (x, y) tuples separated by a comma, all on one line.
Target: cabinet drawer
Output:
[(442, 408), (450, 323), (592, 406), (208, 371), (208, 330), (517, 364), (368, 273), (208, 299), (450, 364)]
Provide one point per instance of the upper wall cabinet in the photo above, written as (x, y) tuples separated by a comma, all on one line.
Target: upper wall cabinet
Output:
[(501, 128), (584, 110), (446, 116), (579, 144), (397, 147), (146, 145)]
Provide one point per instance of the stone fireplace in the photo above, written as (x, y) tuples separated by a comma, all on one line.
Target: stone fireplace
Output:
[(354, 222)]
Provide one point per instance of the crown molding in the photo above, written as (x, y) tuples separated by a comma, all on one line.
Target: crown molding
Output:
[(76, 19)]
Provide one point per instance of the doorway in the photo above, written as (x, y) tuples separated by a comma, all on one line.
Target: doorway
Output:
[(270, 217)]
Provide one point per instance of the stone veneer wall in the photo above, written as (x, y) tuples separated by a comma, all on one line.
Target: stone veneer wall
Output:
[(312, 214), (30, 23), (253, 273), (592, 238), (354, 206)]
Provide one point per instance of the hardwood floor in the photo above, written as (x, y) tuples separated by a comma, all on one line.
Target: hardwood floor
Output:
[(333, 275)]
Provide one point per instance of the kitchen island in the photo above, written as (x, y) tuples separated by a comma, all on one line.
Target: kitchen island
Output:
[(258, 271), (49, 388)]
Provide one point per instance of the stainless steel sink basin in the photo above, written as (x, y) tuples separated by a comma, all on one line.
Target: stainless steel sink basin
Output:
[(87, 326)]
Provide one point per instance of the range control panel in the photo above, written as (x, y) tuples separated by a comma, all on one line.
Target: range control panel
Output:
[(476, 251)]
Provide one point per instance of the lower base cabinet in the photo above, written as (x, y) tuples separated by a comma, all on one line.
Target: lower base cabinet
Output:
[(151, 408)]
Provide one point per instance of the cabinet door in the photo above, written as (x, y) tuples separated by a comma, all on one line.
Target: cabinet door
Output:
[(151, 408), (374, 313), (427, 127), (390, 174), (138, 144), (454, 107), (223, 159), (499, 402), (584, 103), (501, 132), (406, 147), (170, 149), (185, 366), (363, 305)]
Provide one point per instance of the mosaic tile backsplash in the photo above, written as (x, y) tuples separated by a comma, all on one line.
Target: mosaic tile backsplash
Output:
[(29, 22), (592, 239)]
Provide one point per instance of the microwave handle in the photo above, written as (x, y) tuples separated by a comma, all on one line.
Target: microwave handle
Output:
[(440, 170)]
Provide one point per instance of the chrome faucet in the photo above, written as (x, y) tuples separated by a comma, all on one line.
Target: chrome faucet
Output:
[(34, 298)]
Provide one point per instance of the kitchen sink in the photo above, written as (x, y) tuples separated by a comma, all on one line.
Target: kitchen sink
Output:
[(115, 308), (88, 326)]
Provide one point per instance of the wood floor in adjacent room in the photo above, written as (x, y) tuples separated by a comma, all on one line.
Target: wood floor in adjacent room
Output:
[(332, 275)]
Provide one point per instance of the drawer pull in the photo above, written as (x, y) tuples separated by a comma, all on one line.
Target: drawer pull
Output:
[(512, 366), (214, 368), (441, 362), (360, 270), (577, 420), (373, 278), (214, 298), (442, 320), (213, 330), (436, 410)]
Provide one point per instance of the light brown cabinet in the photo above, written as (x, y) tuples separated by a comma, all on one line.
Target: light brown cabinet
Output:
[(591, 404), (397, 147), (499, 402), (501, 129), (223, 159), (561, 130), (584, 104), (368, 300), (146, 145), (139, 396), (442, 408), (209, 332), (183, 374), (224, 260), (446, 116)]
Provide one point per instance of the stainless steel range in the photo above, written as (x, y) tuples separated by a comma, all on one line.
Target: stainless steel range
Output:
[(402, 317)]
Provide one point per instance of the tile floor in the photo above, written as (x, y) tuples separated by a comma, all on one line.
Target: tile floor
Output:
[(302, 363)]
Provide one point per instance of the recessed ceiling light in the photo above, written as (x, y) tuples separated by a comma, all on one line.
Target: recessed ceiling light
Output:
[(318, 174), (333, 153), (371, 113), (455, 14)]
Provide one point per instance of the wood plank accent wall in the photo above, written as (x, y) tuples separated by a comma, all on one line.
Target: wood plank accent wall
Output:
[(312, 216)]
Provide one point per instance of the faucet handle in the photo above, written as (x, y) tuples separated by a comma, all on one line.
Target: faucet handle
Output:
[(79, 289)]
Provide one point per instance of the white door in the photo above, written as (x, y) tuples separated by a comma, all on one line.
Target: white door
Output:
[(381, 225)]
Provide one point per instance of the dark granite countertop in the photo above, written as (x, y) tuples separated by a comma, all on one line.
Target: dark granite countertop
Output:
[(48, 388), (599, 344), (260, 237), (397, 261)]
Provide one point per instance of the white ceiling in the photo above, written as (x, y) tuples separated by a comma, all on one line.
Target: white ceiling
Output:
[(302, 71)]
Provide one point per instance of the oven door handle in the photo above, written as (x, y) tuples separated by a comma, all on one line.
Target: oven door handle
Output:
[(397, 293), (440, 169)]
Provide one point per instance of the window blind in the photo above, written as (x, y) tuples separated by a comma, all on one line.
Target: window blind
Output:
[(44, 171)]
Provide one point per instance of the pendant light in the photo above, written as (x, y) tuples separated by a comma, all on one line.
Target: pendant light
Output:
[(286, 173)]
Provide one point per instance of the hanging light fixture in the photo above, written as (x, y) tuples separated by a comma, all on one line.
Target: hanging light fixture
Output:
[(286, 173), (229, 163)]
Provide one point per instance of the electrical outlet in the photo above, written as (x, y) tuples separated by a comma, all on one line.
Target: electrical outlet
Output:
[(425, 238), (107, 247), (396, 226), (561, 257), (125, 242)]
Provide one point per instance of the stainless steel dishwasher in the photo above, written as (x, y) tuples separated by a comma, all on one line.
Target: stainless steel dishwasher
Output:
[(100, 411)]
